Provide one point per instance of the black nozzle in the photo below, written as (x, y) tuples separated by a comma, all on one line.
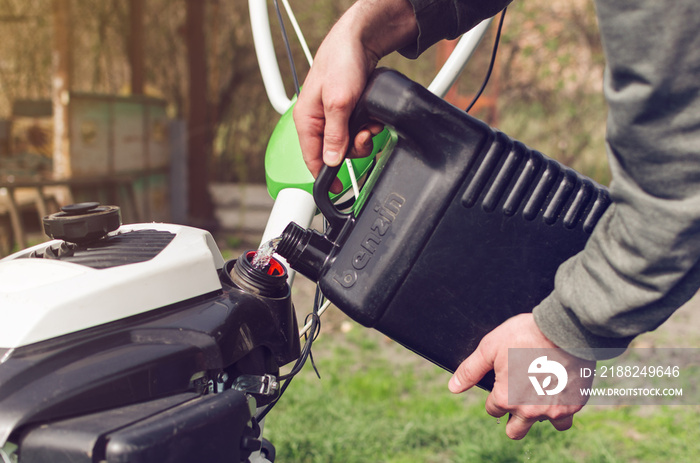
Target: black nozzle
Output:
[(270, 281), (306, 251)]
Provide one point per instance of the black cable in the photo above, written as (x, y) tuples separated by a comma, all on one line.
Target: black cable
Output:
[(493, 61), (288, 47), (305, 354), (312, 334)]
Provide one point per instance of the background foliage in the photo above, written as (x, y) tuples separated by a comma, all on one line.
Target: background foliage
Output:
[(547, 85)]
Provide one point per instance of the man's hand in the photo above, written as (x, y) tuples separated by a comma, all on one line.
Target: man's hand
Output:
[(328, 97), (369, 30), (492, 354)]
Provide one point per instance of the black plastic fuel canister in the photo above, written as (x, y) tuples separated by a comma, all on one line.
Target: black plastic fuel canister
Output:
[(458, 228)]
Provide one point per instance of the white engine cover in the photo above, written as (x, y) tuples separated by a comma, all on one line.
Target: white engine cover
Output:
[(43, 298)]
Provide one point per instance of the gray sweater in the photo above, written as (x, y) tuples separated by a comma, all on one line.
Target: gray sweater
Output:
[(642, 261)]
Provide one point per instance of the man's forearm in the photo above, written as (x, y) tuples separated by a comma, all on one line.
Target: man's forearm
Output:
[(643, 260)]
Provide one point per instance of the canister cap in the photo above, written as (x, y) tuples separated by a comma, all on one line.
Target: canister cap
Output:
[(82, 222)]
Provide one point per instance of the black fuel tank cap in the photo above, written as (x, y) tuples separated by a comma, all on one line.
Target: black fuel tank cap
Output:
[(82, 222)]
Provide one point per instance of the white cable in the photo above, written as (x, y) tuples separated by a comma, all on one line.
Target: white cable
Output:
[(297, 30), (306, 327), (353, 179)]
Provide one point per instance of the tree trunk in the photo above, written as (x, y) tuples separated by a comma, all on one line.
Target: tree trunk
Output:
[(200, 207), (136, 45), (62, 64)]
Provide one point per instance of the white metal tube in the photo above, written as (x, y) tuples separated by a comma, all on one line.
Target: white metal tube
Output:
[(267, 59), (291, 205), (458, 59)]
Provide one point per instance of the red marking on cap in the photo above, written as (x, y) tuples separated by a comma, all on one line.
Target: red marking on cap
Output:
[(275, 268)]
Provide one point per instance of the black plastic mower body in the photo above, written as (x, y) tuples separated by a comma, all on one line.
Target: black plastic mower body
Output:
[(152, 387)]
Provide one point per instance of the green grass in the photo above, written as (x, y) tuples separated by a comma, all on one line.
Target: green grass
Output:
[(374, 403)]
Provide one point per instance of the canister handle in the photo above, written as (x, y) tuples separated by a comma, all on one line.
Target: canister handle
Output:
[(359, 118), (322, 185)]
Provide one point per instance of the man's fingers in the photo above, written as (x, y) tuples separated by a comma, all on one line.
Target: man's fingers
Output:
[(362, 145), (335, 133), (518, 427), (562, 424), (470, 371), (493, 408)]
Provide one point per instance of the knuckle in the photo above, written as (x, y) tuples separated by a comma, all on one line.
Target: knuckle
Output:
[(529, 413), (333, 138), (339, 102), (500, 398)]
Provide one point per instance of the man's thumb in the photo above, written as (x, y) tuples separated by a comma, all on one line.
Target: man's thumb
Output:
[(470, 372)]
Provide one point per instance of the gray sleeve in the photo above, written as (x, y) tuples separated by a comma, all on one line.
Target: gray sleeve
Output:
[(643, 259), (447, 19)]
